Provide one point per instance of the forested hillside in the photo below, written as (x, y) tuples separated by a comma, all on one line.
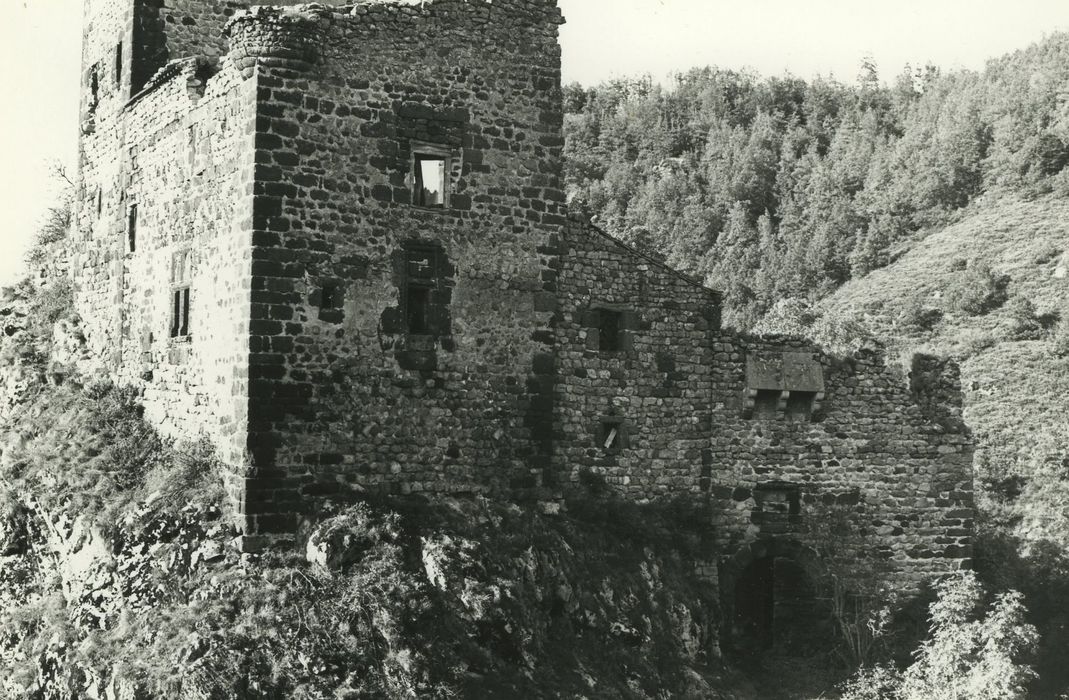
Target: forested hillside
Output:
[(930, 210), (777, 187)]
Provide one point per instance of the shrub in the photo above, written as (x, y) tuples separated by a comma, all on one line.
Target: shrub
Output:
[(89, 452), (967, 656), (53, 230), (978, 290), (853, 583), (917, 318), (973, 341), (836, 332), (1047, 254), (1024, 321)]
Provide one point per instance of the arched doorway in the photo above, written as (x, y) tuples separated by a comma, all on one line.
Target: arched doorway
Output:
[(771, 601)]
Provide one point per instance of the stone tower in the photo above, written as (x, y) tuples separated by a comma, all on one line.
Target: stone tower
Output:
[(322, 237)]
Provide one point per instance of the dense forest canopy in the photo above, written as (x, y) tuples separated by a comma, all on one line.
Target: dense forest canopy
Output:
[(781, 187)]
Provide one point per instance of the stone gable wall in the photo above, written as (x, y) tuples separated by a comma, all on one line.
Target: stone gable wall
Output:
[(659, 384)]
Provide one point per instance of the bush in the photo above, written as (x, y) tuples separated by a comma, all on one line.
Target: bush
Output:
[(835, 332), (1024, 321), (89, 452), (918, 318), (1047, 254), (978, 290), (968, 655), (973, 341), (54, 229)]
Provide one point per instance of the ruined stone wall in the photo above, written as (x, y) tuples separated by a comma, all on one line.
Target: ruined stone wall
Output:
[(180, 155), (167, 30), (342, 394), (872, 446), (769, 432)]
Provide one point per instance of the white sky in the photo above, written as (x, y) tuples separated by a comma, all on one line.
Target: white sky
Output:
[(40, 53)]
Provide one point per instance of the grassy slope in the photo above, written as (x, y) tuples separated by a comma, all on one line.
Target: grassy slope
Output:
[(1015, 394), (1014, 389)]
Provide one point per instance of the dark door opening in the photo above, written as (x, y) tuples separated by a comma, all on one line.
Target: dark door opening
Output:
[(755, 606), (777, 609)]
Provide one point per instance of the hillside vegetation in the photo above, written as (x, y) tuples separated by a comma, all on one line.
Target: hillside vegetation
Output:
[(781, 187)]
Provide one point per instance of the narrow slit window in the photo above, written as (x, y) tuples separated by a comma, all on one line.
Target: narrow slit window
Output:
[(118, 64), (612, 436), (421, 293), (131, 229), (94, 88), (430, 181), (100, 202), (609, 324)]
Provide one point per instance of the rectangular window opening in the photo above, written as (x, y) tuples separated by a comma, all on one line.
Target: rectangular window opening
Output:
[(609, 327), (180, 295), (418, 310), (766, 403), (430, 181), (131, 229), (800, 405), (180, 313), (611, 435), (331, 296)]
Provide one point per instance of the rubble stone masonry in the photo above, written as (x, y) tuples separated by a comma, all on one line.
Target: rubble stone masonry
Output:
[(335, 241)]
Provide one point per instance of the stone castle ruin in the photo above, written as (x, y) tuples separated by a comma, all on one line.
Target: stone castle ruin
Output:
[(334, 239)]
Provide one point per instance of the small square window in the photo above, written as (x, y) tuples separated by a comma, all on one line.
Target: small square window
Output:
[(611, 435), (430, 180), (766, 403), (331, 296), (609, 330)]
